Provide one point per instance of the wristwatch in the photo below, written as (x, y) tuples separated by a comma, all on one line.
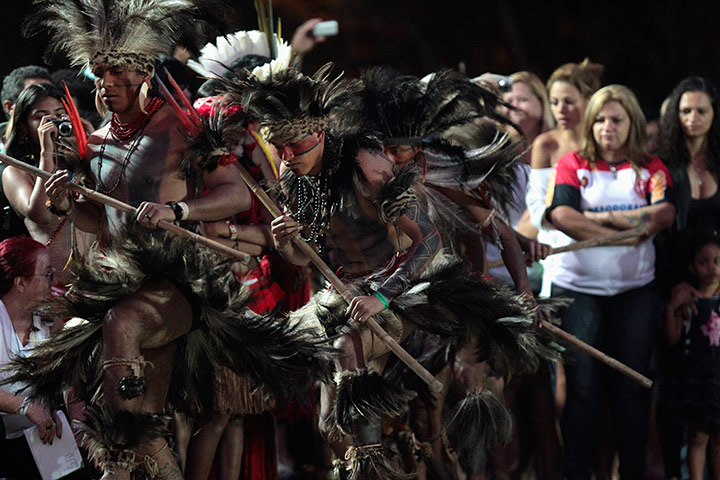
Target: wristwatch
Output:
[(180, 210)]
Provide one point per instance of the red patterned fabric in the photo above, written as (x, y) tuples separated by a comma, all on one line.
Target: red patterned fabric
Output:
[(259, 453)]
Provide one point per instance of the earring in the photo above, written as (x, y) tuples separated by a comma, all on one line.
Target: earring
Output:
[(142, 97), (99, 104)]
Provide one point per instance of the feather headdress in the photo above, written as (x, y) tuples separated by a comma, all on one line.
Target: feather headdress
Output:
[(215, 58), (402, 110), (112, 33), (454, 121), (289, 103)]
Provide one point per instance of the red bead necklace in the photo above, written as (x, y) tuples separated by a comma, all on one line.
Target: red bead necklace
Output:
[(123, 131)]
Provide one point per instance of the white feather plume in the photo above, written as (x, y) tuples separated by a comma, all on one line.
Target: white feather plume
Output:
[(216, 57)]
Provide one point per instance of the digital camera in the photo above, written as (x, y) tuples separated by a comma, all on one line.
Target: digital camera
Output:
[(64, 127)]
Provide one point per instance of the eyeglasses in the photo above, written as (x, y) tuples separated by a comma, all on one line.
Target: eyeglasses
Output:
[(49, 275)]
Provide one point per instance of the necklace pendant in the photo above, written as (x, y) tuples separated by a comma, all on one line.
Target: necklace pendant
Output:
[(613, 169)]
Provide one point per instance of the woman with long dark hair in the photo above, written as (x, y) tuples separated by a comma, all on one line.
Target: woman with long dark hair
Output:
[(690, 146), (32, 138)]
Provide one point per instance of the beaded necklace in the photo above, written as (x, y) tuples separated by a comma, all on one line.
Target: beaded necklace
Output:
[(56, 232), (314, 204), (121, 132)]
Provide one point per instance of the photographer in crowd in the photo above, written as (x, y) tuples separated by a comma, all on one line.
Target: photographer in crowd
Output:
[(37, 120)]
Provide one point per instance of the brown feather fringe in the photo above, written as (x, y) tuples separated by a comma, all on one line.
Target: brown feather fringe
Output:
[(284, 357), (364, 393), (478, 425)]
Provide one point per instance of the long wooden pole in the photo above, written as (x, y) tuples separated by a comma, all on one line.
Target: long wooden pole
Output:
[(400, 352), (404, 356), (592, 242), (124, 207), (573, 340), (434, 383), (606, 359)]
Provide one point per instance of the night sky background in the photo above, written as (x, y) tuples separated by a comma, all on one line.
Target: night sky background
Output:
[(648, 46)]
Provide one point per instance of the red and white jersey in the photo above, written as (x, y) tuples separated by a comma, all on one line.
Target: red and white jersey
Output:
[(603, 187)]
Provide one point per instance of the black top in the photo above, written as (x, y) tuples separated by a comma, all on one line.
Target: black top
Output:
[(704, 214)]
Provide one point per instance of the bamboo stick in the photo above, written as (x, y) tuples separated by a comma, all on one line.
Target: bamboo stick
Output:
[(606, 359), (592, 242), (576, 342), (124, 207)]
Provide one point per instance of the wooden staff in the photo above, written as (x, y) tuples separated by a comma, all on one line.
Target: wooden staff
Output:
[(606, 359), (592, 242), (590, 350), (400, 352), (124, 207)]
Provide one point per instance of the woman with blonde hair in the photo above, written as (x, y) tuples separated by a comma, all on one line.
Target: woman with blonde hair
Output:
[(610, 184), (569, 87), (531, 112)]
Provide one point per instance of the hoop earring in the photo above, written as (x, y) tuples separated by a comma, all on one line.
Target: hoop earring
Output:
[(142, 97), (99, 104)]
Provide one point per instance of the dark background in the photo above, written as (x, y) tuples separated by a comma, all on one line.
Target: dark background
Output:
[(647, 46)]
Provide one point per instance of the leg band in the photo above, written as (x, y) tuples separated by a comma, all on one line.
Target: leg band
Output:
[(130, 386)]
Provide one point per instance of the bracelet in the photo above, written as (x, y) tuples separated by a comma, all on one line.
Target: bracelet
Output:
[(54, 210), (180, 209), (384, 300), (24, 406), (233, 230), (185, 210)]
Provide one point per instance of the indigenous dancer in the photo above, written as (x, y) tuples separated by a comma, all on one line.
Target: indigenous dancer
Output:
[(163, 315), (339, 191), (463, 188)]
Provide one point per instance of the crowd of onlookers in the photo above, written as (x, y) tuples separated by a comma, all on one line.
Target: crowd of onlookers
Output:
[(592, 166), (596, 167)]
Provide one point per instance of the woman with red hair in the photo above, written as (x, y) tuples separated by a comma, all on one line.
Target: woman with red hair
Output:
[(25, 280)]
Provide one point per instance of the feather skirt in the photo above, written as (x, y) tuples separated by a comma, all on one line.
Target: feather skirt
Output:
[(281, 356), (446, 300)]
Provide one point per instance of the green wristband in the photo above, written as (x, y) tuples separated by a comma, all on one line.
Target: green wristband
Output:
[(384, 300)]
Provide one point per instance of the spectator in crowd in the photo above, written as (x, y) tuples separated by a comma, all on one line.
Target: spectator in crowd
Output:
[(532, 114), (529, 397), (531, 106), (25, 279), (690, 145), (570, 87), (698, 393), (610, 184), (17, 80), (32, 138)]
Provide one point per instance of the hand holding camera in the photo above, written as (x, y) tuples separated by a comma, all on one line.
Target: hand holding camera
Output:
[(64, 127), (51, 127)]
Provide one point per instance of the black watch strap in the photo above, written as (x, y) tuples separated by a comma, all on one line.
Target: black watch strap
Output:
[(177, 210)]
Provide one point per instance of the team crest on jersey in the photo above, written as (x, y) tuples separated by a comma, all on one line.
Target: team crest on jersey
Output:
[(584, 181), (658, 184)]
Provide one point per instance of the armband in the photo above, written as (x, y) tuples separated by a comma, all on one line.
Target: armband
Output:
[(384, 300)]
